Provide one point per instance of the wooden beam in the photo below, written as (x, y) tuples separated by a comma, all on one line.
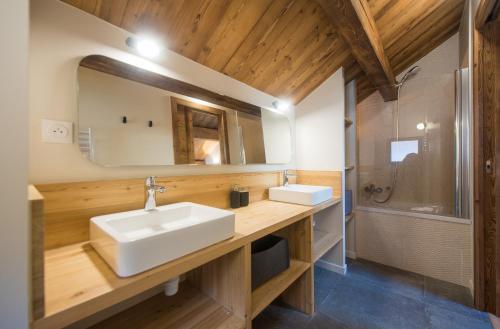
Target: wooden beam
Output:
[(355, 23), (487, 10), (120, 69), (205, 133)]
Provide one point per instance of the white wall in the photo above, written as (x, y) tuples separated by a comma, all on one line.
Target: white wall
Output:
[(319, 122), (320, 146), (277, 137), (14, 257), (61, 36)]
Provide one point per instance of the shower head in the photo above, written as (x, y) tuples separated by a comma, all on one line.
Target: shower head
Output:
[(411, 72), (414, 70)]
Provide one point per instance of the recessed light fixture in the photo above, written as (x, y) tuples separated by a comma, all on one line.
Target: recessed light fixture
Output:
[(420, 126), (146, 47), (281, 105)]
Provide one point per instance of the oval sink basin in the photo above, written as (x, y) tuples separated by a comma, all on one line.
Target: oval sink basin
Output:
[(135, 241), (308, 195)]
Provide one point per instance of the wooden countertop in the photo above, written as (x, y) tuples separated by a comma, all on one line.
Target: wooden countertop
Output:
[(78, 283)]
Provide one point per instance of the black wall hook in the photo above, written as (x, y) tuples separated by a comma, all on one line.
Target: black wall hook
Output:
[(124, 119), (150, 123)]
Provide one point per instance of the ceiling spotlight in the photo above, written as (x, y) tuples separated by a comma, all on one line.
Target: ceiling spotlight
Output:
[(281, 105), (145, 47), (421, 126)]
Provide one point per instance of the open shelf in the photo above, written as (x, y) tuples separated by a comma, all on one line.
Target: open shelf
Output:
[(324, 241), (269, 291), (189, 308), (334, 201), (78, 283), (349, 217)]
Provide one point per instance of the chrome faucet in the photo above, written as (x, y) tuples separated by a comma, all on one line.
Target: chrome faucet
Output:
[(151, 188), (286, 174)]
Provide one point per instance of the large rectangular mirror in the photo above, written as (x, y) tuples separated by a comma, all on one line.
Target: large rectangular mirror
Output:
[(128, 116)]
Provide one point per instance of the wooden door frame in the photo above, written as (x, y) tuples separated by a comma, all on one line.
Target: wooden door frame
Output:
[(486, 109), (222, 129)]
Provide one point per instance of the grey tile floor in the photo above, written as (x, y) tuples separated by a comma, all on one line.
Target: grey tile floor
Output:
[(373, 296)]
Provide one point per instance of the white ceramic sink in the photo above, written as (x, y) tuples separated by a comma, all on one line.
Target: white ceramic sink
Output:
[(135, 241), (308, 195)]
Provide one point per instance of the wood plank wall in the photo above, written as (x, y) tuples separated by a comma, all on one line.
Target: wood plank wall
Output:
[(37, 260), (327, 178), (486, 147), (69, 206)]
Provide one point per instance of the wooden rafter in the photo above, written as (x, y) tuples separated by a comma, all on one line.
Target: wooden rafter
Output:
[(120, 69), (355, 23), (486, 10)]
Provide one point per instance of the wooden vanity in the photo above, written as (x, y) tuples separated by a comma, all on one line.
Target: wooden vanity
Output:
[(216, 290)]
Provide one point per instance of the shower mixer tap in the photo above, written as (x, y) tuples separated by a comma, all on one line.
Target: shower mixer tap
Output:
[(371, 189)]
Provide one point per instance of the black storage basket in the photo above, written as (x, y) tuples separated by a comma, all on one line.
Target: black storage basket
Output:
[(269, 258)]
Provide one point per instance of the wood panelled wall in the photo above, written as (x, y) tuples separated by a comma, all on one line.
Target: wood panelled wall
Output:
[(37, 260), (487, 147), (326, 178), (69, 206)]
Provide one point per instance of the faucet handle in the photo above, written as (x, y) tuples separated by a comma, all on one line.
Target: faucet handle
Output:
[(151, 184), (151, 181)]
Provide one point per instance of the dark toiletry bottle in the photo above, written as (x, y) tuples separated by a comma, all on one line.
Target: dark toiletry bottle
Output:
[(235, 197), (244, 197)]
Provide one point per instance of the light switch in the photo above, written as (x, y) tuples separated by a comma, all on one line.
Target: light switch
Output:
[(57, 132)]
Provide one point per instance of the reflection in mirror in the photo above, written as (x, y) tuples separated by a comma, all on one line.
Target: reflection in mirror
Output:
[(200, 133), (252, 138), (128, 117)]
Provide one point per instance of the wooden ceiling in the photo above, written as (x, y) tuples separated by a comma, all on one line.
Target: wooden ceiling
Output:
[(285, 48), (409, 30)]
